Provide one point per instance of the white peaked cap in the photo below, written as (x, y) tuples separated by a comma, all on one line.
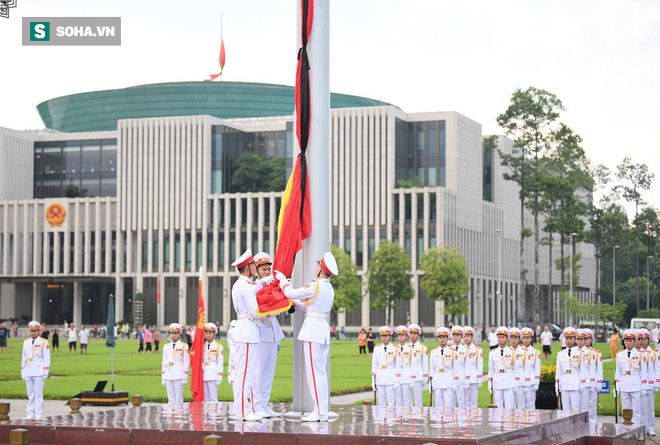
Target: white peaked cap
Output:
[(329, 264), (211, 327), (244, 259)]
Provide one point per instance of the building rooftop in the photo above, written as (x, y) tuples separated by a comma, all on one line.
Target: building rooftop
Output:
[(100, 110)]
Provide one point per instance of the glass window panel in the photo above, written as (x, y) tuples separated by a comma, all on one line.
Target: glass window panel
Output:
[(109, 158), (108, 187), (90, 187), (432, 141), (432, 182), (91, 157)]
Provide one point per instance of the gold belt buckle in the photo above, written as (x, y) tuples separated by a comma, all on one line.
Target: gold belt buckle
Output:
[(383, 367), (568, 371), (626, 372), (501, 371), (441, 370)]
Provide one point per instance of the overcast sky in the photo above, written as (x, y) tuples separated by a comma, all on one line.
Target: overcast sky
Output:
[(601, 58)]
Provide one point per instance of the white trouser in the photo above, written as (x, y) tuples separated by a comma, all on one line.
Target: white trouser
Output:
[(643, 403), (585, 396), (263, 385), (504, 398), (211, 390), (632, 400), (444, 398), (316, 358), (460, 396), (650, 413), (174, 390), (403, 395), (246, 365), (385, 395), (471, 399), (417, 393), (530, 397), (35, 392), (593, 404), (570, 400), (519, 396)]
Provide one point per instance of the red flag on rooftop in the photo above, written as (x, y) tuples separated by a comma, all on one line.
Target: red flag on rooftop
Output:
[(158, 290), (295, 220), (197, 350)]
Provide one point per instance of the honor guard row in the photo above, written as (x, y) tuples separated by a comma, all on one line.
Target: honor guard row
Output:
[(637, 377)]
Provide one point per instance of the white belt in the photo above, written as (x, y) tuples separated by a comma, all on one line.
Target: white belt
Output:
[(316, 315), (245, 316)]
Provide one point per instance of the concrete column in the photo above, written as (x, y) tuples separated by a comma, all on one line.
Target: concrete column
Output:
[(119, 299), (183, 298), (7, 301), (36, 301), (77, 303)]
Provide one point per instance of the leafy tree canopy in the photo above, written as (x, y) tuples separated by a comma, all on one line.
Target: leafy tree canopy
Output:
[(347, 285), (253, 172), (446, 278)]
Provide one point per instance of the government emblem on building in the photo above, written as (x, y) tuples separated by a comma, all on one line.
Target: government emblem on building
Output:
[(55, 215)]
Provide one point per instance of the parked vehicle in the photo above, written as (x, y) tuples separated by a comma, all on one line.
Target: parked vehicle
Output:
[(602, 330), (637, 323)]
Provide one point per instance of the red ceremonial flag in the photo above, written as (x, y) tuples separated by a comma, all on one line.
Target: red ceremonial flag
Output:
[(197, 350), (295, 221), (222, 62), (158, 290)]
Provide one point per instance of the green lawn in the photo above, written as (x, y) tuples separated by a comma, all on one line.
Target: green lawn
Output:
[(140, 374)]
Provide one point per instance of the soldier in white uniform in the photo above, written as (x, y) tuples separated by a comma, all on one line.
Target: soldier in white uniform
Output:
[(474, 369), (176, 364), (402, 391), (585, 369), (246, 337), (519, 356), (648, 402), (500, 371), (271, 335), (459, 367), (383, 373), (629, 374), (567, 374), (214, 362), (35, 366), (231, 366), (419, 365), (532, 368), (596, 372), (444, 381), (316, 300)]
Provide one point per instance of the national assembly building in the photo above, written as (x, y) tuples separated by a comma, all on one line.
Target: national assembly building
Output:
[(128, 192)]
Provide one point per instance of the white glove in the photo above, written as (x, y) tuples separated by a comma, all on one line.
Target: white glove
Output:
[(454, 387), (397, 386), (162, 382), (535, 388), (373, 386), (490, 386), (614, 392), (22, 376), (656, 389), (45, 377), (268, 280), (412, 384), (557, 390), (279, 276)]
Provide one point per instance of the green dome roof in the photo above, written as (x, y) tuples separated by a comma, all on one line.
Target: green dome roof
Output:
[(100, 110)]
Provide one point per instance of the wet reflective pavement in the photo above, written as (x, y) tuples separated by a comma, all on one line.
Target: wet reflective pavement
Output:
[(191, 422)]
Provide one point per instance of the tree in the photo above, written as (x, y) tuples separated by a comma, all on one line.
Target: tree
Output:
[(446, 278), (635, 178), (253, 172), (347, 285), (647, 229), (529, 120), (388, 277), (594, 235)]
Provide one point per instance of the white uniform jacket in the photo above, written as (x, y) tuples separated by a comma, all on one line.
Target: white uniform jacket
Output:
[(532, 366), (316, 300), (459, 365), (403, 365), (567, 374), (474, 365), (599, 369), (214, 361), (519, 359), (383, 363), (500, 368), (36, 358), (585, 367), (593, 368), (244, 299), (442, 367), (419, 362), (630, 370), (271, 332), (649, 384), (176, 361), (657, 368)]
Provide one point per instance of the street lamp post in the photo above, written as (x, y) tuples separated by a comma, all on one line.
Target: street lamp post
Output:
[(614, 275), (498, 291), (570, 272), (648, 262)]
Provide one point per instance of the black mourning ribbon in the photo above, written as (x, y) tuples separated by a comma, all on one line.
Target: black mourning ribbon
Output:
[(569, 352), (442, 352), (628, 354), (501, 352)]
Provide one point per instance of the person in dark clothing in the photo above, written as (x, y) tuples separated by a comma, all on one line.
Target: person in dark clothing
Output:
[(371, 341)]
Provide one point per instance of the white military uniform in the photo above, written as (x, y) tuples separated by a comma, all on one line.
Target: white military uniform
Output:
[(628, 377), (519, 358), (501, 376), (474, 369), (419, 371), (532, 375), (567, 377), (500, 373), (35, 366), (213, 363), (403, 367), (246, 338), (316, 300), (459, 368), (175, 367), (231, 365), (585, 372), (445, 380), (383, 362), (648, 406), (271, 335)]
